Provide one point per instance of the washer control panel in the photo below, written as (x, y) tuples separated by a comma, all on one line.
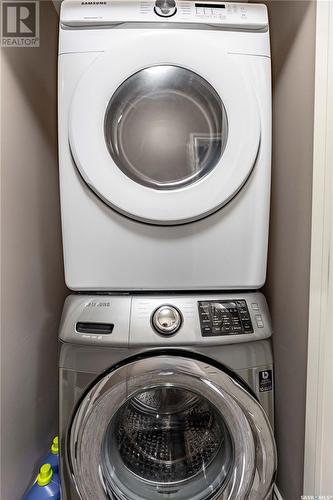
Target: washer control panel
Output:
[(174, 320), (224, 317)]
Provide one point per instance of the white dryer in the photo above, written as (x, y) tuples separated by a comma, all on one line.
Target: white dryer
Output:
[(165, 144)]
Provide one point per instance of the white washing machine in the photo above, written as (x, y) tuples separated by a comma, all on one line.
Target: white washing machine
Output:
[(165, 144), (166, 397)]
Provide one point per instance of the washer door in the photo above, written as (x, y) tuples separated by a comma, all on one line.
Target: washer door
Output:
[(171, 427), (169, 136)]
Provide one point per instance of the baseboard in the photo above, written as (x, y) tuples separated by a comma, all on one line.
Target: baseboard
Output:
[(276, 494)]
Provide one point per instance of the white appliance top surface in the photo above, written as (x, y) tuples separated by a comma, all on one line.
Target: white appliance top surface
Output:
[(224, 15)]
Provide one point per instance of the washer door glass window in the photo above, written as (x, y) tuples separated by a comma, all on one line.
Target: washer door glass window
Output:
[(166, 441), (170, 427), (166, 127)]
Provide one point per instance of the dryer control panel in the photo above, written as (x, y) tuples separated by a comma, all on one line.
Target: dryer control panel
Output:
[(227, 15), (224, 317)]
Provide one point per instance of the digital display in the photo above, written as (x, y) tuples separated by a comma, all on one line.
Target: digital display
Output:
[(224, 317), (210, 5)]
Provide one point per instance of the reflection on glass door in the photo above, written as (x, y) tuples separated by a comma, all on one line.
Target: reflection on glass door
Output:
[(166, 127), (167, 441)]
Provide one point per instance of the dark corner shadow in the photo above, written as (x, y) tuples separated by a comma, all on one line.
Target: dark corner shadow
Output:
[(35, 71)]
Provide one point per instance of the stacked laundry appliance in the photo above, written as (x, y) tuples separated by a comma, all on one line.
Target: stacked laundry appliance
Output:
[(166, 371)]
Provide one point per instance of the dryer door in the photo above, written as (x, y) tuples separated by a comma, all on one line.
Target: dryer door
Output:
[(171, 427), (170, 135)]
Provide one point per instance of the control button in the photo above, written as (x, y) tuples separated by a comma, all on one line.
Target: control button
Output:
[(204, 307), (259, 321), (204, 315), (206, 331), (226, 327), (167, 320), (247, 326), (255, 306), (165, 8)]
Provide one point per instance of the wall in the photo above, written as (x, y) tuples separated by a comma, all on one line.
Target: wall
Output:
[(32, 274), (287, 288)]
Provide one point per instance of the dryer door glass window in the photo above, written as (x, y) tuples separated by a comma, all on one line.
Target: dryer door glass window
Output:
[(168, 442), (166, 127)]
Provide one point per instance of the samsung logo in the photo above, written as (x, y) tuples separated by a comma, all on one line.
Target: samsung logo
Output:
[(93, 3)]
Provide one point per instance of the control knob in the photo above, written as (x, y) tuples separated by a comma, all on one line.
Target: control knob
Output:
[(165, 8), (167, 320)]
